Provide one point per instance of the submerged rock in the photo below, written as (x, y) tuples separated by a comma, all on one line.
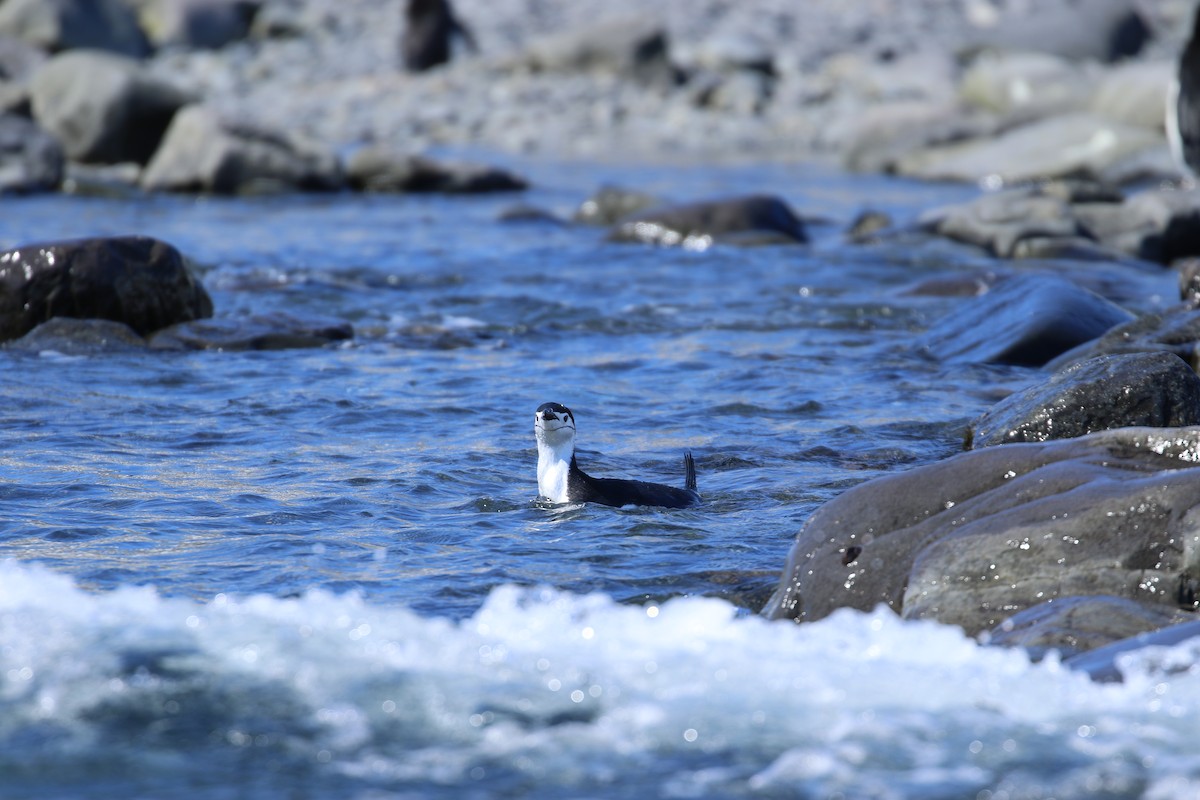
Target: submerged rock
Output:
[(1025, 320), (104, 107), (204, 152), (260, 332), (767, 219), (1145, 389), (78, 337), (381, 169), (142, 282), (976, 538)]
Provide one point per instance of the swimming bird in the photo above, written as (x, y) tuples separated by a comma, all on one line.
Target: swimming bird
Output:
[(560, 479), (1183, 106)]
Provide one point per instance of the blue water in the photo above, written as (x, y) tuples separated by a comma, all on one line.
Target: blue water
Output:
[(324, 573)]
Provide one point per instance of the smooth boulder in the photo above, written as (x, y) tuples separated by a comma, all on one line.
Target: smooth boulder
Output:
[(753, 219), (142, 282), (103, 107), (1116, 391), (79, 337), (978, 537), (203, 152), (1025, 320), (1175, 330)]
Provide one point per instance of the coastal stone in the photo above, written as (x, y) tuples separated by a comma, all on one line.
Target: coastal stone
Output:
[(1112, 391), (19, 59), (1072, 625), (103, 107), (1134, 93), (258, 332), (1101, 664), (976, 538), (1077, 144), (1175, 330), (203, 152), (1025, 320), (142, 282), (198, 24), (696, 224), (57, 25), (610, 204), (381, 169), (630, 46), (1005, 82), (79, 337), (999, 221), (1099, 30), (876, 138), (31, 160)]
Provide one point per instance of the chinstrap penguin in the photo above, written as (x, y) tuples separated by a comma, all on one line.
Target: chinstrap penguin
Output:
[(1183, 106), (560, 480)]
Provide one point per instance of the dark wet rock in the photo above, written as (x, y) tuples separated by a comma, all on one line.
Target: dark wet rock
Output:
[(1073, 144), (1025, 320), (31, 160), (1073, 625), (202, 152), (381, 169), (262, 332), (612, 204), (1117, 391), (1099, 30), (720, 220), (997, 222), (142, 282), (631, 46), (976, 538), (1101, 664), (430, 27), (522, 213), (77, 337), (1176, 330), (197, 24), (57, 25), (1158, 225), (103, 107)]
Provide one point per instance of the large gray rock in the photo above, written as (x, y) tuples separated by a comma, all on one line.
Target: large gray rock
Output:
[(1134, 93), (381, 169), (1176, 330), (202, 152), (31, 160), (752, 219), (1144, 389), (57, 25), (142, 282), (1025, 320), (1073, 144), (632, 46), (1035, 83), (103, 107), (1098, 30), (976, 538), (1000, 221), (1074, 625)]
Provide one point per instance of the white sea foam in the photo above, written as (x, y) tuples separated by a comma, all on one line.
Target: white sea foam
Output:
[(563, 691)]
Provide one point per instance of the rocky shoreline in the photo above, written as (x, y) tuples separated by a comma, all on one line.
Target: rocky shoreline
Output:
[(1071, 522)]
